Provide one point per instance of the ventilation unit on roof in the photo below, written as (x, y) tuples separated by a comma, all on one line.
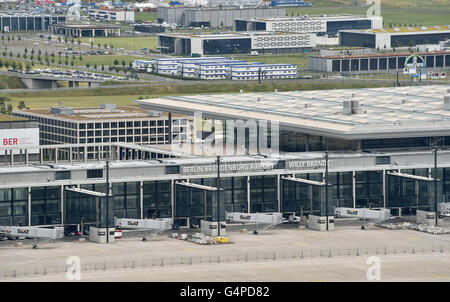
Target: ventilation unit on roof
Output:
[(61, 110), (350, 107)]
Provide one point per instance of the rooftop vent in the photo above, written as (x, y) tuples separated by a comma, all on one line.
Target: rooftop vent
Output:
[(61, 110), (350, 107), (447, 102), (108, 106)]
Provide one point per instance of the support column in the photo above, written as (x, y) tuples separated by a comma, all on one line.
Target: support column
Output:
[(248, 194), (142, 198), (29, 206), (384, 188), (170, 127), (172, 197), (62, 205), (279, 192), (11, 157), (354, 188), (26, 156), (56, 155)]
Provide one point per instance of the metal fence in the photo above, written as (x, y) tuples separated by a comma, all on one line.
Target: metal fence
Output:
[(158, 262)]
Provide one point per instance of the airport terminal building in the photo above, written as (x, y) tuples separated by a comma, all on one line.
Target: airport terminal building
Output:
[(380, 155)]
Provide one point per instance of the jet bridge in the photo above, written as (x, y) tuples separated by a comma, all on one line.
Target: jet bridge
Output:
[(267, 219), (33, 232)]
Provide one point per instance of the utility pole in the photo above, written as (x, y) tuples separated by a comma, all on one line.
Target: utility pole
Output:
[(326, 187), (218, 196)]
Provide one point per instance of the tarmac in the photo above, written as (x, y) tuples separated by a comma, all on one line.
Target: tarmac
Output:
[(339, 255)]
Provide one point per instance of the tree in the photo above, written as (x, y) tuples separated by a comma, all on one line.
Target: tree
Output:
[(59, 39), (88, 65), (72, 63), (14, 65), (99, 45), (9, 109), (116, 62), (123, 63), (20, 66), (25, 50), (79, 42), (28, 67), (49, 38), (21, 105), (103, 67), (95, 66), (24, 56), (11, 54), (80, 58)]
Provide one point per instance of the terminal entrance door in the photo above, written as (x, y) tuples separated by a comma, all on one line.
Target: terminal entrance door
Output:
[(301, 196), (194, 202), (411, 192)]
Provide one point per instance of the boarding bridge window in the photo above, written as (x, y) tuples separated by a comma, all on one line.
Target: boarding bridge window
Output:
[(62, 175), (383, 160), (96, 173)]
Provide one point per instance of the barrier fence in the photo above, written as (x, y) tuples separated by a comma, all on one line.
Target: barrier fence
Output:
[(297, 254)]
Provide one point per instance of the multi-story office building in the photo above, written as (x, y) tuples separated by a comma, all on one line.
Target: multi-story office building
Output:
[(394, 37), (109, 123), (28, 22), (236, 43), (107, 14), (321, 25)]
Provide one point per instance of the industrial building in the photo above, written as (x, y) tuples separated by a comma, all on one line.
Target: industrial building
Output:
[(391, 162), (376, 62), (28, 22), (85, 30), (107, 14), (214, 16), (321, 25), (109, 123), (235, 43), (394, 37)]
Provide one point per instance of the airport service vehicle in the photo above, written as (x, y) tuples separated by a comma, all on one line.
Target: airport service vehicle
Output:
[(268, 219), (294, 219), (155, 225), (32, 232)]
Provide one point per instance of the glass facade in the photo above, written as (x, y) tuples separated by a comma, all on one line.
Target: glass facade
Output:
[(126, 197), (157, 199), (263, 194), (199, 203), (45, 205), (14, 206), (369, 189), (342, 187), (226, 46)]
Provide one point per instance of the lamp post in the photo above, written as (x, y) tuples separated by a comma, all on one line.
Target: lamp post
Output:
[(107, 201), (326, 187), (435, 184), (218, 196)]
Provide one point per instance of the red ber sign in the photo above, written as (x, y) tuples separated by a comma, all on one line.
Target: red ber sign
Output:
[(10, 141)]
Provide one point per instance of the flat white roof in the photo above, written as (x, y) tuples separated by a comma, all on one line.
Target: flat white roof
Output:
[(384, 112)]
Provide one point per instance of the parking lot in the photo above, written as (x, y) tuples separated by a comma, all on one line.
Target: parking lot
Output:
[(285, 240)]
